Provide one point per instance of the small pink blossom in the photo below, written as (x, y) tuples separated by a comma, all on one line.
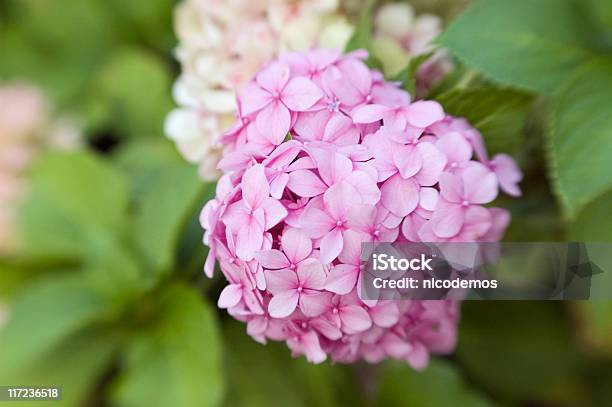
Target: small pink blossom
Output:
[(303, 288), (26, 128)]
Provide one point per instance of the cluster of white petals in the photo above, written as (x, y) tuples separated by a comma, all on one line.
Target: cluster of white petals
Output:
[(400, 35), (221, 46)]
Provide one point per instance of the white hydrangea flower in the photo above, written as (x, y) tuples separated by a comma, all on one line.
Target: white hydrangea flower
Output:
[(221, 45), (400, 35)]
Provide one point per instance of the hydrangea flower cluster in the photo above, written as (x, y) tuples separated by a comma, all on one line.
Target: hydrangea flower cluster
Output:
[(400, 35), (325, 155), (24, 114), (221, 46)]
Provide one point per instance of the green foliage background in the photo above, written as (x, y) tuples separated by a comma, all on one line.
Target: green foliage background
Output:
[(108, 299)]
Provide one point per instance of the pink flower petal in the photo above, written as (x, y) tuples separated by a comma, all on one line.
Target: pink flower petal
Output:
[(358, 74), (301, 94), (508, 173), (316, 223), (428, 198), (272, 259), (400, 196), (311, 347), (283, 155), (283, 304), (448, 220), (338, 200), (395, 346), (369, 113), (278, 184), (326, 328), (411, 226), (418, 357), (342, 279), (281, 280), (455, 147), (257, 326), (365, 186), (331, 246), (424, 113), (234, 161), (274, 212), (230, 296), (385, 314), (500, 219), (311, 125), (351, 248), (311, 274), (314, 303), (434, 162), (274, 77), (354, 319), (209, 265), (306, 184), (480, 184), (253, 98), (408, 160), (333, 167), (361, 218), (273, 122), (477, 223), (249, 238), (296, 245), (341, 131), (451, 187), (255, 186)]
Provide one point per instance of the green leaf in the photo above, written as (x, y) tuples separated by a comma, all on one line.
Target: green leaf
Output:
[(461, 77), (77, 209), (149, 21), (438, 385), (167, 193), (581, 139), (133, 88), (407, 76), (77, 365), (499, 114), (517, 350), (142, 157), (534, 44), (53, 22), (44, 313), (20, 269), (595, 323), (601, 12), (267, 376), (74, 198), (362, 36), (536, 216), (177, 361), (161, 214), (57, 56), (593, 223)]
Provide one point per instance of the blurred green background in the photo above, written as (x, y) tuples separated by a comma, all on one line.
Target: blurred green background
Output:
[(108, 299)]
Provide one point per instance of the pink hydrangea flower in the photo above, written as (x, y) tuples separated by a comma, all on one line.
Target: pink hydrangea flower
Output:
[(326, 155), (26, 127)]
